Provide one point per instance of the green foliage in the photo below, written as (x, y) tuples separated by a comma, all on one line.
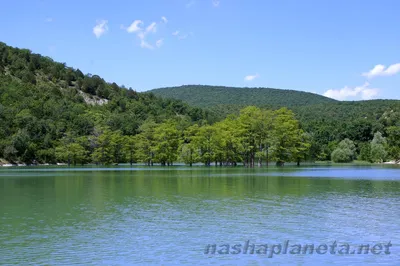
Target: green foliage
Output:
[(365, 152), (108, 147), (378, 148), (289, 142), (205, 141), (145, 142), (53, 113), (69, 151), (341, 156), (166, 142), (345, 152), (247, 138), (393, 141), (323, 119), (41, 100), (378, 153), (188, 147), (72, 153), (129, 148), (207, 96)]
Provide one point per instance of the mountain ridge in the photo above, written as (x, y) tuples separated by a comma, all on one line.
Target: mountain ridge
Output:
[(209, 95)]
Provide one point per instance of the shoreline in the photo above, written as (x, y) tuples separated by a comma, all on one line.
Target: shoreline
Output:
[(320, 163)]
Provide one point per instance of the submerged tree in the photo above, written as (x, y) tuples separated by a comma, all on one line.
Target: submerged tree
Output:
[(188, 148), (70, 151), (145, 142), (289, 141), (166, 142), (129, 148), (205, 142)]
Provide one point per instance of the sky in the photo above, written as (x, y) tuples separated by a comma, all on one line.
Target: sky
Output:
[(343, 49)]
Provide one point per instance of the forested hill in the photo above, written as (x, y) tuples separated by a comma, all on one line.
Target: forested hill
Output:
[(45, 106), (207, 96), (326, 120), (50, 113)]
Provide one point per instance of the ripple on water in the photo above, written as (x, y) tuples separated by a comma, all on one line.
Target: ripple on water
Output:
[(103, 218)]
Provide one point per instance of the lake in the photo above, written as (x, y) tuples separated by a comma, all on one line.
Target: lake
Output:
[(194, 216)]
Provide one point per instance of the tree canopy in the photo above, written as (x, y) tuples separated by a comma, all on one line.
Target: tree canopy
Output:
[(50, 113)]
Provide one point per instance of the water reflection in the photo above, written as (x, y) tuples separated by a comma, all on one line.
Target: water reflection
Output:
[(163, 216)]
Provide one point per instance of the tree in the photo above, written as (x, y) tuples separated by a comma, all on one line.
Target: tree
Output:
[(22, 142), (129, 147), (205, 144), (117, 143), (69, 150), (145, 142), (378, 148), (166, 140), (301, 147), (72, 153), (229, 138), (250, 128), (10, 153), (365, 152), (255, 128), (188, 148), (289, 143), (393, 141), (345, 152), (108, 147), (103, 153)]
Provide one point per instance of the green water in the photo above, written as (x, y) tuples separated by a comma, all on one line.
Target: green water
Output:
[(168, 216)]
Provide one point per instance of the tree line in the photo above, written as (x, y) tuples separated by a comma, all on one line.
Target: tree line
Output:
[(48, 114), (254, 137)]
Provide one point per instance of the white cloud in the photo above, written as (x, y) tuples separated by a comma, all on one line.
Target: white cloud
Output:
[(100, 28), (48, 20), (159, 43), (381, 70), (215, 3), (250, 77), (146, 45), (363, 91), (135, 26), (141, 35), (152, 27), (368, 94), (138, 27), (182, 36)]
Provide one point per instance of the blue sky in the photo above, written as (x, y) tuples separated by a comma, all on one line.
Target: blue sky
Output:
[(346, 49)]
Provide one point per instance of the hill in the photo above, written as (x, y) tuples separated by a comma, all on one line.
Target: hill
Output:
[(209, 96), (326, 120), (45, 105), (50, 112)]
